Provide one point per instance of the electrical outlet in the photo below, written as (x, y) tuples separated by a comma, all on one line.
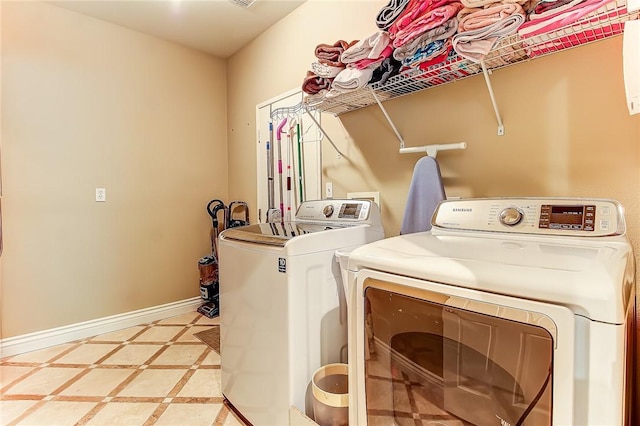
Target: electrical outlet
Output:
[(328, 190), (101, 194)]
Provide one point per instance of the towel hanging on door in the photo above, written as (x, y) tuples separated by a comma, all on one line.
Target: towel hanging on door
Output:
[(425, 192)]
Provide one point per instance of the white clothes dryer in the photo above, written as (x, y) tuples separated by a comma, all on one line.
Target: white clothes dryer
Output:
[(283, 310), (510, 311)]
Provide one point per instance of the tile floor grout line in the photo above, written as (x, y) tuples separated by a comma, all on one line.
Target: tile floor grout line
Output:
[(180, 383), (91, 414), (110, 353), (37, 367), (18, 379), (153, 418), (222, 416), (35, 407), (124, 383), (63, 353), (70, 381)]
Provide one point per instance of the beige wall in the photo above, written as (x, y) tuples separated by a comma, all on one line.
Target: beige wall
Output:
[(88, 104)]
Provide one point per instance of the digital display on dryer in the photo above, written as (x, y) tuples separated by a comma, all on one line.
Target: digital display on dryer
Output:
[(573, 218), (350, 211)]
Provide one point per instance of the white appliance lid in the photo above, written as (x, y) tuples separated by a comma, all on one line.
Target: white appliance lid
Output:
[(593, 276), (277, 234), (312, 216)]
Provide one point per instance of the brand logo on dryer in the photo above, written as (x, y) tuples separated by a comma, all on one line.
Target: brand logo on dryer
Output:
[(462, 209)]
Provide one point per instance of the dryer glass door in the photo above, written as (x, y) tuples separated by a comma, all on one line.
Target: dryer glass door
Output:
[(452, 361)]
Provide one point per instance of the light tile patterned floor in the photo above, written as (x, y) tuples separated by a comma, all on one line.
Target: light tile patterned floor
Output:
[(151, 374)]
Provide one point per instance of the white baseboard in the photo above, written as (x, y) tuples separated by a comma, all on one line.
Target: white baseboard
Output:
[(69, 333)]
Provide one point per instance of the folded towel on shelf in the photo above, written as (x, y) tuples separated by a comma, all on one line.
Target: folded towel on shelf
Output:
[(409, 9), (544, 9), (431, 19), (560, 19), (479, 32), (556, 40), (389, 13), (387, 69), (425, 192), (324, 70), (368, 48), (312, 84), (372, 62), (444, 31), (484, 18), (415, 11), (350, 79), (467, 11), (330, 54), (428, 53), (447, 55), (482, 4), (452, 68)]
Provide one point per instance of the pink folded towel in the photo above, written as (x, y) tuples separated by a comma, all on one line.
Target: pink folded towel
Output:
[(408, 9), (441, 32), (538, 47), (486, 17), (415, 13), (545, 9), (330, 54), (372, 62), (467, 11), (481, 4), (312, 84), (431, 19), (480, 31), (560, 19)]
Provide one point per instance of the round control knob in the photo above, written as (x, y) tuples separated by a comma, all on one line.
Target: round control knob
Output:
[(328, 210), (511, 216)]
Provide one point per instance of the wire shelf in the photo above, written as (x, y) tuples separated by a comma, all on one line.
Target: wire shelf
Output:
[(603, 23)]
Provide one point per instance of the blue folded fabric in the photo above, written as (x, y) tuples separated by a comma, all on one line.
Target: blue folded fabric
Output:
[(425, 192)]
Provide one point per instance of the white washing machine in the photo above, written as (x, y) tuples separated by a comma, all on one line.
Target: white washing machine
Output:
[(283, 311), (508, 312)]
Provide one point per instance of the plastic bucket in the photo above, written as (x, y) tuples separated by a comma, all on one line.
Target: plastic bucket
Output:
[(330, 388)]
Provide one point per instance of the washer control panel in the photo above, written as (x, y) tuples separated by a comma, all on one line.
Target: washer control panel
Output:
[(335, 210), (551, 216)]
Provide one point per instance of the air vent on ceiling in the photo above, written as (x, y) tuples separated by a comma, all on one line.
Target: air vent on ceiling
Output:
[(243, 3)]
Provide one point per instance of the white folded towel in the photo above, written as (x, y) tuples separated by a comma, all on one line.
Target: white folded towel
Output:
[(475, 44), (350, 79), (324, 70), (367, 48)]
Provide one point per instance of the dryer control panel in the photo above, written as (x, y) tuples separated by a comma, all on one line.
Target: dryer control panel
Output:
[(335, 210), (542, 216)]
